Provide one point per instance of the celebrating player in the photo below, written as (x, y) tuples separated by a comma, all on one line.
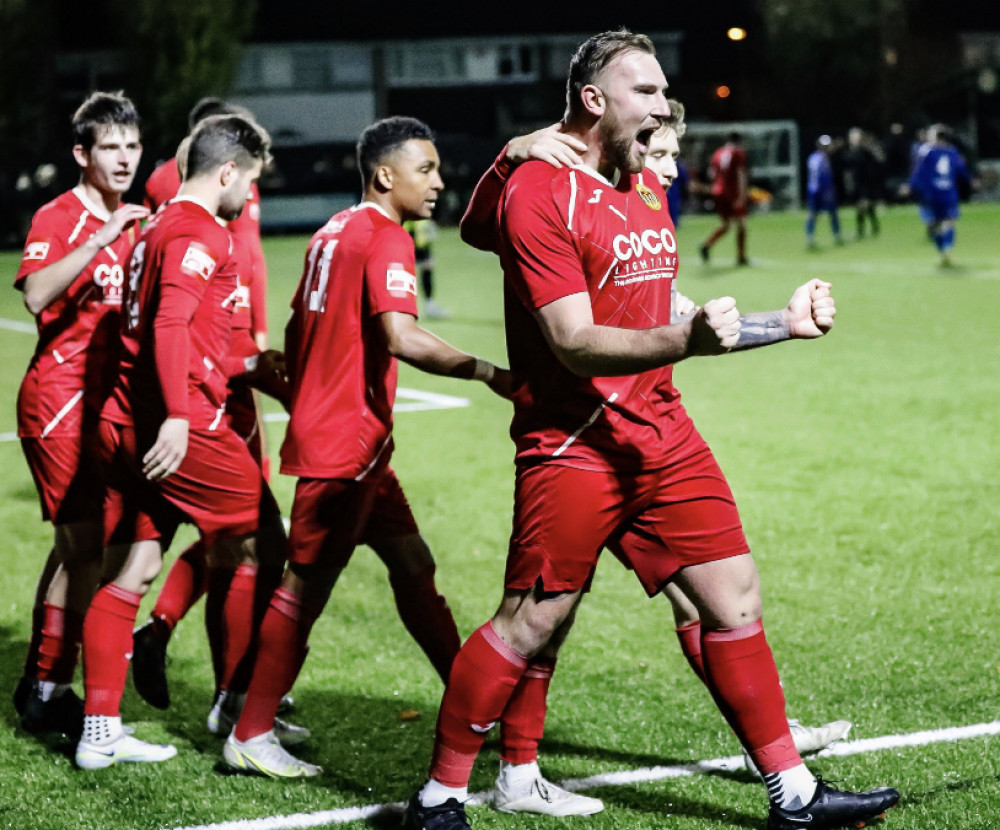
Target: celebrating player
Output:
[(71, 276), (353, 315), (606, 455), (170, 453)]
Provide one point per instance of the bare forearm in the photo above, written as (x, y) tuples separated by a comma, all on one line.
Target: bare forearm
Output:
[(46, 284), (605, 351), (762, 328), (429, 353)]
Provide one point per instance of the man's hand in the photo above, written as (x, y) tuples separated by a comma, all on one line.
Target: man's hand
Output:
[(715, 328), (548, 144), (683, 306), (811, 310), (119, 221), (166, 455), (269, 376)]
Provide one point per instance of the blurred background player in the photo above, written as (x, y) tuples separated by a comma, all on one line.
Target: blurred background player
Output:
[(169, 453), (353, 316), (424, 232), (188, 578), (821, 191), (861, 171), (730, 176), (71, 275), (938, 175)]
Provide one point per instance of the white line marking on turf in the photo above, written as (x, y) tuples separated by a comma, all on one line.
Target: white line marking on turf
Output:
[(18, 325), (328, 818), (415, 400)]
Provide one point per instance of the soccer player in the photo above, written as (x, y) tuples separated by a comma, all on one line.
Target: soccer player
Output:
[(71, 277), (170, 454), (821, 191), (424, 232), (730, 176), (938, 174), (861, 162), (353, 316), (189, 578), (605, 452)]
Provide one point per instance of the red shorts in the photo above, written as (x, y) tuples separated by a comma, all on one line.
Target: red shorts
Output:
[(656, 523), (727, 208), (217, 488), (67, 475), (332, 516)]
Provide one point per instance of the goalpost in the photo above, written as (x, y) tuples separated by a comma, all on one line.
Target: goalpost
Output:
[(772, 148)]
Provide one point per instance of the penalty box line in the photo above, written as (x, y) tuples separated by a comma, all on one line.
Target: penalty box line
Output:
[(330, 818)]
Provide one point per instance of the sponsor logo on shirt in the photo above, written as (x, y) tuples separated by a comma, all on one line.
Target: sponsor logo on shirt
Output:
[(36, 250), (198, 262), (398, 279), (650, 241), (648, 196)]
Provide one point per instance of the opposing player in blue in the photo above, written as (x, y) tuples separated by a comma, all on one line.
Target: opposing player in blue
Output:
[(935, 181), (821, 193)]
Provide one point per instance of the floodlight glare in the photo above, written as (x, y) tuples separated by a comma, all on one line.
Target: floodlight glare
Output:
[(736, 33)]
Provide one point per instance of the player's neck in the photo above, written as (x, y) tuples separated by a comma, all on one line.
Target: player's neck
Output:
[(109, 200), (203, 190), (385, 204), (594, 156)]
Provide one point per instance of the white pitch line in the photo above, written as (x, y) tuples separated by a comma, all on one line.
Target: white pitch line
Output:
[(329, 818), (18, 325)]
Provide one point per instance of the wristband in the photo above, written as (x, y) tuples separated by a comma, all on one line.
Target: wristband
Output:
[(484, 371), (250, 363)]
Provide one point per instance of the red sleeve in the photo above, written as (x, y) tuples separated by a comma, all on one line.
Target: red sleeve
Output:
[(241, 346), (46, 243), (540, 258), (258, 290), (162, 185), (186, 268), (478, 225), (390, 271)]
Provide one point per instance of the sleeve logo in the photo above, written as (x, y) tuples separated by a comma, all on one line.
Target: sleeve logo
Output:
[(36, 250), (197, 261), (398, 279)]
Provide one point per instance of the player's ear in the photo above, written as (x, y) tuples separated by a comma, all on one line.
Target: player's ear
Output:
[(593, 100), (384, 177), (227, 173), (81, 155)]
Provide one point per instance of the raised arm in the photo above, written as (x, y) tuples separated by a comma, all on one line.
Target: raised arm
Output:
[(477, 227), (808, 315), (43, 286)]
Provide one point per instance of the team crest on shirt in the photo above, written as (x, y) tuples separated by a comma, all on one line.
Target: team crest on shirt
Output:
[(648, 196), (36, 250), (197, 261), (399, 280)]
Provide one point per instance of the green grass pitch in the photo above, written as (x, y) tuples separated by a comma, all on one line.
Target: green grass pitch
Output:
[(865, 466)]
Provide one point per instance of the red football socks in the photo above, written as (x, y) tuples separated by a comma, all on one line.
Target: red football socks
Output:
[(523, 720), (427, 617), (483, 678), (183, 587), (62, 632), (237, 617), (743, 679), (690, 640), (107, 646), (283, 637)]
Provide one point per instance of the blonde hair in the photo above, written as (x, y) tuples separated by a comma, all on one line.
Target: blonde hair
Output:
[(675, 121)]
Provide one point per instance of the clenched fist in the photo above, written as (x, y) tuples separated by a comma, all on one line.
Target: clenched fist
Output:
[(715, 327)]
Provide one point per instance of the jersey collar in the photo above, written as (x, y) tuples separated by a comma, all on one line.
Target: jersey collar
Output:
[(99, 211), (198, 202), (590, 171), (379, 208)]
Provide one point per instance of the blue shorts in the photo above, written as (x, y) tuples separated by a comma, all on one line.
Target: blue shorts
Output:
[(933, 212)]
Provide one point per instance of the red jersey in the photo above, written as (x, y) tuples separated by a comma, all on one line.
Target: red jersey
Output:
[(568, 231), (163, 184), (359, 265), (177, 323), (75, 361), (727, 165)]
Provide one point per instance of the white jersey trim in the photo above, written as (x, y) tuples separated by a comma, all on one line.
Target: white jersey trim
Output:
[(99, 211), (379, 208), (62, 413), (597, 412)]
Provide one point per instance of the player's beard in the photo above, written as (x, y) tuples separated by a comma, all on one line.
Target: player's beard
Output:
[(228, 212), (618, 145)]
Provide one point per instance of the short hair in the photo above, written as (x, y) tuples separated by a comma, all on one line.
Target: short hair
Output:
[(102, 110), (207, 107), (385, 137), (674, 121), (223, 138), (594, 55)]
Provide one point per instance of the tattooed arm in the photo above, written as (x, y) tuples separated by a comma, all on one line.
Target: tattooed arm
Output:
[(809, 314)]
